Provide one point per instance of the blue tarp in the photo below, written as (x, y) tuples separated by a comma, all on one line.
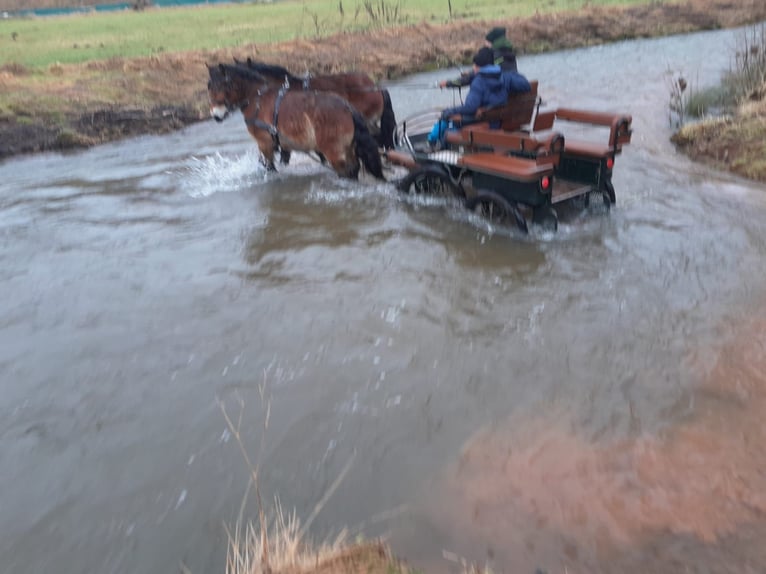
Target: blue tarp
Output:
[(113, 7)]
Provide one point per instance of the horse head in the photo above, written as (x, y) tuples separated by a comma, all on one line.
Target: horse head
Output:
[(218, 92), (229, 88)]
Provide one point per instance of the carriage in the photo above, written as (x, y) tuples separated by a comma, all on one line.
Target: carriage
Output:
[(522, 170)]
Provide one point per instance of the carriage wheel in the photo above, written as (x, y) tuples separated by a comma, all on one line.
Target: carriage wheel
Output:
[(546, 217), (598, 200), (610, 192), (497, 210), (431, 180)]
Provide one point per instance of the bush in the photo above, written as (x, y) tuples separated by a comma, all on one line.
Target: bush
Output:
[(747, 78)]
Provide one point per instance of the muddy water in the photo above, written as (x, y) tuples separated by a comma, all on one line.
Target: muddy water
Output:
[(610, 370)]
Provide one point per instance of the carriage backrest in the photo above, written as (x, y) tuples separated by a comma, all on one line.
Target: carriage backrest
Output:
[(517, 111), (619, 125)]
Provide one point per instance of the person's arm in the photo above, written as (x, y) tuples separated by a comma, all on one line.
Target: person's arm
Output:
[(464, 80), (470, 106)]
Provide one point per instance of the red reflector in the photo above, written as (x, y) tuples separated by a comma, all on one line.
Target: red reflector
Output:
[(609, 163), (545, 182)]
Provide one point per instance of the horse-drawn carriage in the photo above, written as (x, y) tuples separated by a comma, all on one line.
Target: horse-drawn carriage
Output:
[(518, 171), (510, 174)]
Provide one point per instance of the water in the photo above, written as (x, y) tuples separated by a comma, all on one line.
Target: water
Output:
[(153, 286)]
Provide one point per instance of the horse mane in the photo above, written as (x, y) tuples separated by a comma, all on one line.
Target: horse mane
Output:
[(241, 71), (272, 70)]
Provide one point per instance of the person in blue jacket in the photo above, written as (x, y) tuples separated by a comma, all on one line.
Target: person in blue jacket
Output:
[(487, 89)]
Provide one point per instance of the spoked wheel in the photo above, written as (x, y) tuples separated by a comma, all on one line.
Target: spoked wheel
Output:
[(546, 217), (432, 180), (497, 210)]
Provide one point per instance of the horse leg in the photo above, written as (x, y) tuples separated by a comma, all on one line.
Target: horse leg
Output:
[(345, 163), (266, 146), (365, 148), (387, 122), (268, 163), (284, 156)]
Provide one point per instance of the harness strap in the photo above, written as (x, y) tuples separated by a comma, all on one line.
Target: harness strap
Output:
[(272, 127), (278, 102), (264, 126)]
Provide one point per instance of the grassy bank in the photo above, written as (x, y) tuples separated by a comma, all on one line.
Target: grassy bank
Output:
[(46, 104), (735, 140), (41, 42)]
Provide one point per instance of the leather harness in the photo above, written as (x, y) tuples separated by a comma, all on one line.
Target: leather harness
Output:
[(272, 127)]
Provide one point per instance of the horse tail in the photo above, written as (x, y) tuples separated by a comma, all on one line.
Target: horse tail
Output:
[(366, 147), (387, 122)]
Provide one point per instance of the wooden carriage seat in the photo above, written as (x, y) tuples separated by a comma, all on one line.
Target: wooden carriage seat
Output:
[(619, 131), (515, 113), (545, 148), (515, 168)]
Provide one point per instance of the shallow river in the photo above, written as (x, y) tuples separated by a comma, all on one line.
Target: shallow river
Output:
[(557, 401)]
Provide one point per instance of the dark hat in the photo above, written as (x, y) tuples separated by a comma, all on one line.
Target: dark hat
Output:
[(484, 57), (494, 34)]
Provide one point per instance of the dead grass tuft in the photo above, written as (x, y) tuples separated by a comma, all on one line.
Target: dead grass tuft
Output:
[(14, 69), (287, 549)]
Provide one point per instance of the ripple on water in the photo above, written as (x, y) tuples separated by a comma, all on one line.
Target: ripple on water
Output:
[(544, 493)]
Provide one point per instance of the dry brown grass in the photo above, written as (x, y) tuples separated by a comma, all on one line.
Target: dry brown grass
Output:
[(290, 553), (736, 144), (277, 543)]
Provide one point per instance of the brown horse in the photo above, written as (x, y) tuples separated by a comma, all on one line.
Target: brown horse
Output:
[(281, 119), (358, 89)]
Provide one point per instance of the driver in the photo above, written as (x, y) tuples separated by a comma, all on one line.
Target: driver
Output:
[(487, 90)]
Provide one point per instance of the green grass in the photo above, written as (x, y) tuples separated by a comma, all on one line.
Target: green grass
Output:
[(713, 99), (40, 42)]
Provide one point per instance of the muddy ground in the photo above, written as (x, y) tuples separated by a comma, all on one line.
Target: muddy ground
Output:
[(93, 103)]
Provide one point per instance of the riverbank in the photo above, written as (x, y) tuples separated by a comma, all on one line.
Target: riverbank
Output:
[(736, 143), (101, 101)]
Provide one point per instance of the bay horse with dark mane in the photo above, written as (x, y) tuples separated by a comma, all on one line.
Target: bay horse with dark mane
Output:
[(357, 88), (294, 120)]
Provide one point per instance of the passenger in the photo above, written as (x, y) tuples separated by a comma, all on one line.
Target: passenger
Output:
[(487, 89), (503, 53), (515, 83), (505, 57)]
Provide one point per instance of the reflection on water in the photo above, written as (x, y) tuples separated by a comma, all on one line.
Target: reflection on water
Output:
[(538, 492)]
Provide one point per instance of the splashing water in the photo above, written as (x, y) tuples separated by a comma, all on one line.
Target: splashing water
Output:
[(218, 174)]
